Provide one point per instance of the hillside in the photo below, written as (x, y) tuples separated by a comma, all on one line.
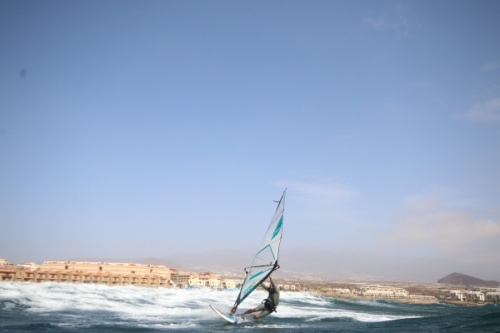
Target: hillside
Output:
[(466, 280)]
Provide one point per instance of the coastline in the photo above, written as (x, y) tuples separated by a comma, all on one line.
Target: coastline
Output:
[(371, 298), (407, 300), (148, 275)]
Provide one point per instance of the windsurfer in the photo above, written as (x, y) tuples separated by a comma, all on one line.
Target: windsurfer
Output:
[(269, 305)]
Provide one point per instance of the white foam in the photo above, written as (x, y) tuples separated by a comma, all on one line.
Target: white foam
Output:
[(163, 307)]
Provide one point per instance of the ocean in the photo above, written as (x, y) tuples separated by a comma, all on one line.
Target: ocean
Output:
[(59, 307)]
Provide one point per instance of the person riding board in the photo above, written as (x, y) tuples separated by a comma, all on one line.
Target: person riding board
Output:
[(269, 305)]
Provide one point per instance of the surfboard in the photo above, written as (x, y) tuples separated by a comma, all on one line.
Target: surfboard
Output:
[(227, 317)]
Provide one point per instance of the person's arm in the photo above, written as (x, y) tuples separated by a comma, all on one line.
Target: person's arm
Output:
[(272, 283)]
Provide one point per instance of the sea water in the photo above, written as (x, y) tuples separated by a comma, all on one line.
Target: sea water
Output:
[(59, 307)]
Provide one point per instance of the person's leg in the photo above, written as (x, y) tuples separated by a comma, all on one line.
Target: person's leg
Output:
[(259, 308), (249, 311), (263, 313)]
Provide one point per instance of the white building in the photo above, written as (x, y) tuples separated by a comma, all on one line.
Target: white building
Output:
[(457, 294), (383, 291), (493, 296), (476, 296)]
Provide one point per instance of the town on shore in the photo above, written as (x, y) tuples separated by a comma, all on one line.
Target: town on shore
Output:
[(147, 275)]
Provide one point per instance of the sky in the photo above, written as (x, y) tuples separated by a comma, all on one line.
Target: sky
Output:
[(149, 128)]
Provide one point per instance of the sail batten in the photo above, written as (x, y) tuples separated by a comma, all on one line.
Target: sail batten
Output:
[(266, 258)]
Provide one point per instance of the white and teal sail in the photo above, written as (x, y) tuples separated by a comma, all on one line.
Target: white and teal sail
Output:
[(266, 259)]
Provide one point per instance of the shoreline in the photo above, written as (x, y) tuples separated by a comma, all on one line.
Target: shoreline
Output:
[(162, 276), (407, 300)]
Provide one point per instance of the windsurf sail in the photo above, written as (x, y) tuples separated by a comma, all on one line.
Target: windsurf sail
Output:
[(266, 260)]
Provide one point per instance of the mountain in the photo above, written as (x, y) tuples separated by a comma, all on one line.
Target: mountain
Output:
[(466, 280)]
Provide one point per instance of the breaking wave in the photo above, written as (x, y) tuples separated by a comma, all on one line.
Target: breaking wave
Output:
[(59, 307)]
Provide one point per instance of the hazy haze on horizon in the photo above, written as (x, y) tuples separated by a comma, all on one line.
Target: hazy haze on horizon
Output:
[(144, 129)]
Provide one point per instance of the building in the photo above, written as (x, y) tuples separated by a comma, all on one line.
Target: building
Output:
[(382, 291), (475, 296), (457, 294), (182, 279), (88, 272), (107, 268), (493, 296), (338, 291), (229, 283)]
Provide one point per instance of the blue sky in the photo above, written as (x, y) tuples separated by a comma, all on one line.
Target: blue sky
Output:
[(139, 129)]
